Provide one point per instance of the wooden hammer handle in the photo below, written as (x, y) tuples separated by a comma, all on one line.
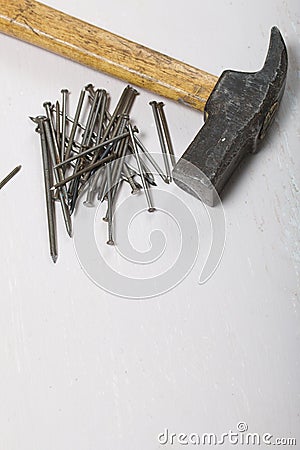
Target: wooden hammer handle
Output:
[(60, 33)]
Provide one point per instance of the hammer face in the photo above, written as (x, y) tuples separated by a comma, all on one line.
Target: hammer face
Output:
[(238, 113)]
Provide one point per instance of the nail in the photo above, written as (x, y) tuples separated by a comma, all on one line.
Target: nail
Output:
[(50, 202), (150, 158), (94, 149), (102, 116), (100, 96), (88, 127), (57, 122), (109, 204), (153, 104), (134, 188), (74, 186), (75, 124), (64, 92), (117, 111), (69, 118), (74, 194), (148, 175), (131, 95), (121, 125), (102, 188), (84, 170), (166, 130), (92, 187), (119, 128), (10, 176), (113, 197), (118, 166), (145, 187), (62, 198), (53, 146), (90, 89), (89, 198)]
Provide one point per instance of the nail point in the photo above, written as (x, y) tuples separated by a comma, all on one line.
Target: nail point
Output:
[(54, 258)]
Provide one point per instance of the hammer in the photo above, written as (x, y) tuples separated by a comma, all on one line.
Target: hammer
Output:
[(238, 107)]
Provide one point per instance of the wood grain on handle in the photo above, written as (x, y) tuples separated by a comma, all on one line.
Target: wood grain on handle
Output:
[(62, 34)]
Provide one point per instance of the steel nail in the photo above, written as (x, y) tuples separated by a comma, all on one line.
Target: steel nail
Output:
[(102, 187), (65, 93), (90, 89), (166, 130), (100, 97), (118, 166), (62, 198), (134, 187), (102, 116), (88, 168), (118, 110), (75, 124), (50, 201), (148, 175), (131, 95), (57, 122), (74, 186), (150, 158), (153, 104), (93, 149), (145, 187), (69, 118), (88, 132), (53, 146), (92, 186), (109, 204), (10, 176)]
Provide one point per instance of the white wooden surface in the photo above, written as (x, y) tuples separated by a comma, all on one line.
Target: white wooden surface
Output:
[(82, 369)]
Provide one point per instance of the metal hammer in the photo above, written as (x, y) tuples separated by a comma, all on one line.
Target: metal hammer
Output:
[(238, 107)]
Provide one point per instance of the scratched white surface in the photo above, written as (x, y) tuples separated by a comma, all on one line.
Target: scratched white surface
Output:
[(81, 369)]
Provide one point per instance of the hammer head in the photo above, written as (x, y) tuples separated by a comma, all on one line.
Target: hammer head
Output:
[(237, 114)]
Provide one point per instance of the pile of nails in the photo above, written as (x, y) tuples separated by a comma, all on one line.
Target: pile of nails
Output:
[(75, 154)]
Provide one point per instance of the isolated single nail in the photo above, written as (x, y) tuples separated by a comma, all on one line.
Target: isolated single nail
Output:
[(10, 176), (166, 130)]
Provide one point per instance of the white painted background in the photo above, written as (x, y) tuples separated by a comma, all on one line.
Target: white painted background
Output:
[(81, 369)]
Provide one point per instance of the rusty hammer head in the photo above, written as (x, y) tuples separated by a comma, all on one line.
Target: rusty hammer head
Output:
[(237, 114)]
